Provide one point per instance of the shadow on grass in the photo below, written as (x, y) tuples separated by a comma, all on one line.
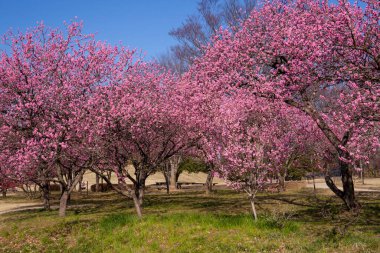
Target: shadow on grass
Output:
[(301, 206)]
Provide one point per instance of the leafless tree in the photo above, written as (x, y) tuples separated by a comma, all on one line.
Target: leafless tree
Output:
[(196, 32)]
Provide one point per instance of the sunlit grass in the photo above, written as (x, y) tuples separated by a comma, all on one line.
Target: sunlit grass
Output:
[(193, 222)]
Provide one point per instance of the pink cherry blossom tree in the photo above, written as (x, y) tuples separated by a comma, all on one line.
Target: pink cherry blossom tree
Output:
[(46, 80), (319, 58), (137, 120)]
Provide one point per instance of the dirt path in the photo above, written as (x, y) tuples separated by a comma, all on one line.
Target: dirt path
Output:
[(370, 184), (6, 207), (11, 207)]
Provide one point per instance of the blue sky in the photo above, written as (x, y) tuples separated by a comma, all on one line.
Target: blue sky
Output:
[(141, 24)]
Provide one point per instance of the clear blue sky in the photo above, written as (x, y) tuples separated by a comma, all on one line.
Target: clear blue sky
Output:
[(141, 24)]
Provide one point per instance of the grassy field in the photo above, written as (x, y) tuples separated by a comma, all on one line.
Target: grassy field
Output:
[(189, 221)]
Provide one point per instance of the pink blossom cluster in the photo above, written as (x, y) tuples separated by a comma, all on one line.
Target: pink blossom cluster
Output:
[(296, 78)]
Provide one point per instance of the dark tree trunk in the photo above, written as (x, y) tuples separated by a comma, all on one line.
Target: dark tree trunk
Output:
[(167, 182), (109, 175), (46, 196), (208, 184), (166, 172), (4, 193), (348, 193)]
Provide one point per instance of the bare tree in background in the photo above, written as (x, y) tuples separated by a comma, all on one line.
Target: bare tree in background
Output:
[(197, 30)]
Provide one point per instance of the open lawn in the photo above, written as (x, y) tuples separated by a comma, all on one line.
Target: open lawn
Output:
[(190, 221)]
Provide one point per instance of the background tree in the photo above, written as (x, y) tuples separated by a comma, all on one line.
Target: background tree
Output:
[(171, 170), (197, 30)]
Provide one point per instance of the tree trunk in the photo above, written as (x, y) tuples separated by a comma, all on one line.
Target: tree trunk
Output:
[(63, 203), (348, 193), (97, 183), (281, 182), (141, 195), (166, 172), (4, 193), (362, 171), (46, 196), (109, 175), (124, 190), (140, 190), (80, 184), (173, 175), (362, 176), (313, 175), (251, 199), (348, 189), (167, 182), (137, 205), (208, 184), (66, 190)]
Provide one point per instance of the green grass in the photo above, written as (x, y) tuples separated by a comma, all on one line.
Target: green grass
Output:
[(193, 222)]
